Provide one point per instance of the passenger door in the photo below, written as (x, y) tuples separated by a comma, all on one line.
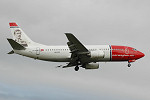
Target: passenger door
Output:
[(37, 51)]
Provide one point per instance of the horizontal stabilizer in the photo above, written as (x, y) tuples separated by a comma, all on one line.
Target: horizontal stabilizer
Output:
[(11, 52), (15, 45)]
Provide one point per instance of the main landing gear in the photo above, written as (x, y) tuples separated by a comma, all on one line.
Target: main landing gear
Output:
[(76, 68), (129, 64)]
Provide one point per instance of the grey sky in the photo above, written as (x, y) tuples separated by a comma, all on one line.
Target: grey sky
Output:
[(119, 22)]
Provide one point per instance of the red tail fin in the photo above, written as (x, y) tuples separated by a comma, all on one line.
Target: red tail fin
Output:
[(12, 24)]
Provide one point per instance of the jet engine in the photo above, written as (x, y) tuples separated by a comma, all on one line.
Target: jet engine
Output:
[(96, 55), (92, 66)]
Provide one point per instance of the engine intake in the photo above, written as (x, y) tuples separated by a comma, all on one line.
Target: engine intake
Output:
[(96, 55), (92, 66)]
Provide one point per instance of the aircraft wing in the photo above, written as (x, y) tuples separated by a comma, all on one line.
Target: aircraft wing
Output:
[(79, 53), (74, 44)]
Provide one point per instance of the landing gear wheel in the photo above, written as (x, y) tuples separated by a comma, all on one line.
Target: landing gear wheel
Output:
[(76, 68), (129, 64)]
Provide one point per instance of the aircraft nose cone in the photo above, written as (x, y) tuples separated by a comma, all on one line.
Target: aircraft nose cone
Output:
[(141, 54)]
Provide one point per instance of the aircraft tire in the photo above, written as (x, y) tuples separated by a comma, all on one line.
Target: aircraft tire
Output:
[(129, 65), (76, 68)]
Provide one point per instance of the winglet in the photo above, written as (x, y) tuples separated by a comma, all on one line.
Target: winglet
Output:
[(15, 45)]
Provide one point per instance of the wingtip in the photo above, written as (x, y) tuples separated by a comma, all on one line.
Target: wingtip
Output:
[(68, 33), (7, 38)]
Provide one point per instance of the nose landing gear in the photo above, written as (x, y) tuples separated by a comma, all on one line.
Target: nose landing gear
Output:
[(129, 65), (76, 68), (130, 61)]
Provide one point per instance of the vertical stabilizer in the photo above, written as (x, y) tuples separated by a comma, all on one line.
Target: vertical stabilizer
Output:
[(19, 36)]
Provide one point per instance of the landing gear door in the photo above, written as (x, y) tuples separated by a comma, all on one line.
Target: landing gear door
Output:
[(37, 51)]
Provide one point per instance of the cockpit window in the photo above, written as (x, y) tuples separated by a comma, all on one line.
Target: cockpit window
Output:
[(134, 49)]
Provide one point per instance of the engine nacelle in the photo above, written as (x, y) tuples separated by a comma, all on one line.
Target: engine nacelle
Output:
[(96, 55), (92, 66)]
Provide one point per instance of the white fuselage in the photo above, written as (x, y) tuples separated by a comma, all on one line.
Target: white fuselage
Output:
[(74, 52), (61, 53)]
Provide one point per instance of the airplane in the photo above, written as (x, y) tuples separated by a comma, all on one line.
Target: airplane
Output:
[(75, 53)]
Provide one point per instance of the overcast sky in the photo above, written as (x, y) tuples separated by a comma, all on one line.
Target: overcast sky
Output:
[(119, 22)]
